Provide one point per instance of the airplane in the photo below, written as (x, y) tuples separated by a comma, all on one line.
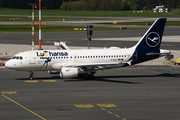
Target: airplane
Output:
[(72, 63)]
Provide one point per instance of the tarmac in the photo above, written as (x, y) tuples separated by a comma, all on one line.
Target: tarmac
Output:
[(133, 93), (130, 93)]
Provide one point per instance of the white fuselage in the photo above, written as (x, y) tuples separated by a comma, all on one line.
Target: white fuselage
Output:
[(35, 60)]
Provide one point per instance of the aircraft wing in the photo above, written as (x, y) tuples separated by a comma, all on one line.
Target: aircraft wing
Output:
[(87, 66), (98, 65)]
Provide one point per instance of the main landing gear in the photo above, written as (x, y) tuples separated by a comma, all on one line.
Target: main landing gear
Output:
[(89, 76), (31, 75)]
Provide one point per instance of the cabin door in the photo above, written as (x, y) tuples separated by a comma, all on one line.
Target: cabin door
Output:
[(32, 58)]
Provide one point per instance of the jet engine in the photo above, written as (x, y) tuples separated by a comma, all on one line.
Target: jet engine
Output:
[(68, 72)]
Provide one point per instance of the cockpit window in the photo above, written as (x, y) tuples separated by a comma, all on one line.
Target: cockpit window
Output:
[(18, 57)]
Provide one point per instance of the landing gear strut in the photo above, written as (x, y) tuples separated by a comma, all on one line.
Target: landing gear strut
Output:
[(89, 76), (31, 75)]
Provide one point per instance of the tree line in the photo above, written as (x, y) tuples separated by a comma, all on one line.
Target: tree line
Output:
[(101, 5)]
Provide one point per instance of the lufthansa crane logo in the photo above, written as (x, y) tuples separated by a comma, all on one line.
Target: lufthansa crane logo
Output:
[(153, 39)]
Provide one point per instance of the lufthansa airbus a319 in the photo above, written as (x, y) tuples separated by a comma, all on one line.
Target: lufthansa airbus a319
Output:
[(71, 63)]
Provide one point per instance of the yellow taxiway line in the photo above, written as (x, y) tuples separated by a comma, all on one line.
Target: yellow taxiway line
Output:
[(23, 106)]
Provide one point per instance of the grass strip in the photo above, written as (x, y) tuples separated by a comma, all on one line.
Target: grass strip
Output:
[(27, 28), (148, 13)]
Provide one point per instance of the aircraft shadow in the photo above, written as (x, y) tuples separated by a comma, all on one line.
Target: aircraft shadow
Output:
[(101, 80), (111, 78), (106, 78)]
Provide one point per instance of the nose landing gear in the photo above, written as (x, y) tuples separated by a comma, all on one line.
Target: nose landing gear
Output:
[(31, 75)]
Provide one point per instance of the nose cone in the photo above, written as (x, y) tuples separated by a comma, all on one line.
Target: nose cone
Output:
[(9, 64)]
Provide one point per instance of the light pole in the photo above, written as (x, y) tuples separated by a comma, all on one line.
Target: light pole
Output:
[(40, 40), (89, 34), (33, 6)]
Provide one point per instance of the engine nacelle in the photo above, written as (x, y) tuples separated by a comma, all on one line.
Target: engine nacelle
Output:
[(53, 72), (69, 72)]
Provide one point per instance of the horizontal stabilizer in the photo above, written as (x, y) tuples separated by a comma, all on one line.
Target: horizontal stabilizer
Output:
[(152, 54), (160, 54)]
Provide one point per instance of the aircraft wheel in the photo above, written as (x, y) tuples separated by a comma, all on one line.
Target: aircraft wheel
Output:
[(31, 78), (88, 77), (31, 75)]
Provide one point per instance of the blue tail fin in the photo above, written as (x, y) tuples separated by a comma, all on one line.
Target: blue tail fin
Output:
[(151, 40), (148, 47)]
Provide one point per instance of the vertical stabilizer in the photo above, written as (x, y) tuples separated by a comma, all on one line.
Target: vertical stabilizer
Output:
[(152, 38), (148, 47)]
